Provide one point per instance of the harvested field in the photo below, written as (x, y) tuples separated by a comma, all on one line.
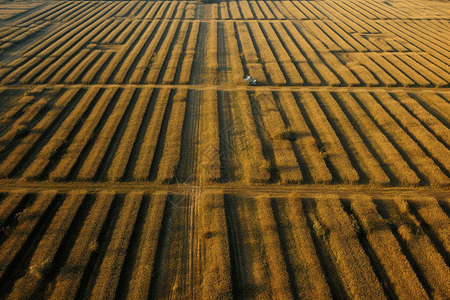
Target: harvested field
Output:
[(136, 163)]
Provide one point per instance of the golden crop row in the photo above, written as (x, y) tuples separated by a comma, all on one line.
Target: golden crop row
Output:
[(293, 246), (376, 138)]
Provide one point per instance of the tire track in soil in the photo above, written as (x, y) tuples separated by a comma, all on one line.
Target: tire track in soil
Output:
[(180, 271)]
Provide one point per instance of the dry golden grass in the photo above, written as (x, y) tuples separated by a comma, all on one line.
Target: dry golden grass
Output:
[(65, 165), (246, 43), (118, 166), (160, 57), (388, 251), (103, 140), (82, 66), (216, 275), (142, 269), (144, 62), (425, 117), (148, 147), (180, 10), (175, 55), (362, 73), (267, 57), (92, 72), (23, 123), (211, 62), (125, 68), (356, 146), (68, 280), (172, 143), (26, 220), (44, 156), (285, 159), (116, 61), (437, 221), (113, 34), (304, 140), (233, 48), (329, 77), (428, 260), (28, 142), (389, 155), (425, 138), (185, 73), (331, 144), (71, 64), (224, 11), (352, 262), (209, 139), (408, 146), (246, 11), (282, 56), (279, 278), (9, 204), (254, 166), (43, 258), (423, 71), (265, 9), (234, 10), (108, 276)]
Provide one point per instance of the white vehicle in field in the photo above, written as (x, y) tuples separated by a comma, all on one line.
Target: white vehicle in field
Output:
[(249, 80)]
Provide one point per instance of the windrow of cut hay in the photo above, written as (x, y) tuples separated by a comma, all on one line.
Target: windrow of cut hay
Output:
[(216, 275), (125, 68), (429, 262), (86, 134), (330, 59), (172, 143), (439, 104), (430, 121), (106, 282), (375, 69), (407, 145), (24, 122), (438, 222), (95, 69), (254, 166), (421, 68), (175, 55), (355, 145), (118, 57), (27, 143), (211, 62), (68, 280), (9, 204), (148, 147), (276, 266), (388, 251), (390, 158), (283, 57), (209, 138), (233, 51), (144, 61), (332, 146), (119, 164), (82, 66), (309, 279), (103, 140), (186, 66), (43, 260), (309, 75), (247, 47), (285, 159), (424, 138), (160, 57), (42, 159), (265, 52), (328, 76), (353, 264), (25, 222), (304, 140), (142, 268)]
